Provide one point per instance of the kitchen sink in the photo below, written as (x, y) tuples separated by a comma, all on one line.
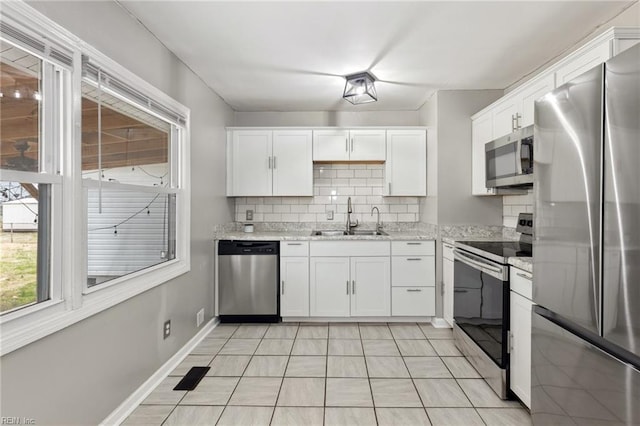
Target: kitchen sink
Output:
[(367, 232), (340, 232)]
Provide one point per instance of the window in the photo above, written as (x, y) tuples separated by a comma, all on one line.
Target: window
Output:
[(27, 147), (124, 149), (94, 182)]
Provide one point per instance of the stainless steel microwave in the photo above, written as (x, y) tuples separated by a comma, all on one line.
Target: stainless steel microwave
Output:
[(509, 160)]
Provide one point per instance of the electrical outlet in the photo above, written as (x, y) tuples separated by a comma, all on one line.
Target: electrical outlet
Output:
[(166, 329), (249, 215), (330, 215), (200, 317)]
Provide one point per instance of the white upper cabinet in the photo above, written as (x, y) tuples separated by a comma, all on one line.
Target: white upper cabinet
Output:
[(367, 145), (349, 145), (249, 163), (481, 133), (583, 62), (530, 93), (292, 163), (505, 116), (406, 165), (268, 162), (331, 145)]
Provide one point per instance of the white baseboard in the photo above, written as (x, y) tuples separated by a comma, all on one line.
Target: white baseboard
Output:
[(358, 319), (123, 411), (440, 323)]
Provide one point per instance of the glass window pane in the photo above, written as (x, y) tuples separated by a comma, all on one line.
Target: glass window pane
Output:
[(20, 99), (133, 231), (135, 144), (24, 244)]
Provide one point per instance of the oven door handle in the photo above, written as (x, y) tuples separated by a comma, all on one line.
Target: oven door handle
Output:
[(478, 262)]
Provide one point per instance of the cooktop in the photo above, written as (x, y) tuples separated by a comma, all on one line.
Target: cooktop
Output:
[(499, 251)]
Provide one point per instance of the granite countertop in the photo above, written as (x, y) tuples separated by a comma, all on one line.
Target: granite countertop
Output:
[(298, 235), (524, 263)]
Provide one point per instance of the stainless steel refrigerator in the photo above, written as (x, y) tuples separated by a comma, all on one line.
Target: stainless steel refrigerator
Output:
[(586, 325)]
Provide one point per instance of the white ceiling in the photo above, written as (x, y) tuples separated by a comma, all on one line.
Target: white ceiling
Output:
[(291, 56)]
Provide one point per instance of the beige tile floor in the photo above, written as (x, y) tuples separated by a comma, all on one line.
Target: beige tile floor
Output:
[(329, 374)]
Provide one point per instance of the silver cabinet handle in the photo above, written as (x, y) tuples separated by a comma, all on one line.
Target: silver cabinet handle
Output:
[(351, 144), (294, 244), (413, 258), (346, 144), (414, 244), (526, 277), (448, 246), (513, 123), (353, 287), (389, 188), (270, 162), (518, 117), (282, 287), (347, 286), (414, 290), (274, 162)]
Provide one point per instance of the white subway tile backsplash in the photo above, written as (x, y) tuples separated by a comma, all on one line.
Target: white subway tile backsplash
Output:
[(333, 184), (282, 208), (512, 205)]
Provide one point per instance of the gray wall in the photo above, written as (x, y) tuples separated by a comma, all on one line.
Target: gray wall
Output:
[(448, 117), (82, 373), (328, 118)]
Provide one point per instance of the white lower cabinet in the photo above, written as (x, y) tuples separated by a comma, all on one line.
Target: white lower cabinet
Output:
[(413, 301), (370, 285), (349, 286), (447, 283), (413, 278), (520, 334), (329, 287), (294, 286)]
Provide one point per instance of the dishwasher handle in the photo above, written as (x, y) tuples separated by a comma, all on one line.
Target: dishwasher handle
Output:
[(229, 247)]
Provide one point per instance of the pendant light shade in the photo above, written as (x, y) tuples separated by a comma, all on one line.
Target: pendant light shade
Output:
[(359, 88)]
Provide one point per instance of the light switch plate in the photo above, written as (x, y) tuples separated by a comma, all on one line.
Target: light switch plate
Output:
[(249, 215), (330, 215)]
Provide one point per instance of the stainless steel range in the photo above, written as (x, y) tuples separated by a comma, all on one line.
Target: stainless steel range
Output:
[(481, 302)]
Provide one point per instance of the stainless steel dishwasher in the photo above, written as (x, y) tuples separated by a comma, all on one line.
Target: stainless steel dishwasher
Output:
[(248, 281)]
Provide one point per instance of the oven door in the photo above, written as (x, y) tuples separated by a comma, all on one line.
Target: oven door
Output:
[(481, 303)]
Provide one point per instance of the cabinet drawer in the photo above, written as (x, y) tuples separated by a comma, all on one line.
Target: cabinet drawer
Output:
[(417, 271), (447, 251), (412, 248), (294, 248), (521, 282), (413, 301)]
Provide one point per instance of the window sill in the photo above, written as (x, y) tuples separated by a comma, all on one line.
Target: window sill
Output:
[(28, 325)]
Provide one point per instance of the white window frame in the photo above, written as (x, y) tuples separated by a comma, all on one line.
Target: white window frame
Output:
[(74, 301)]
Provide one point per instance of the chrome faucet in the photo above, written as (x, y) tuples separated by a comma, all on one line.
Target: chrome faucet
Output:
[(349, 211), (378, 223)]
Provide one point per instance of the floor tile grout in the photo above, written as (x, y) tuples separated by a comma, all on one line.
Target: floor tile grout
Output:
[(400, 333)]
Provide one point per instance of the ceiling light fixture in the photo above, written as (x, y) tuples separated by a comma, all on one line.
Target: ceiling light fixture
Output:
[(359, 88)]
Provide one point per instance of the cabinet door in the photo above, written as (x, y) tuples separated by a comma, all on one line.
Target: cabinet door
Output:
[(294, 286), (329, 286), (250, 164), (583, 63), (530, 94), (331, 145), (481, 133), (504, 115), (292, 163), (367, 145), (520, 357), (447, 294), (370, 287), (406, 165)]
